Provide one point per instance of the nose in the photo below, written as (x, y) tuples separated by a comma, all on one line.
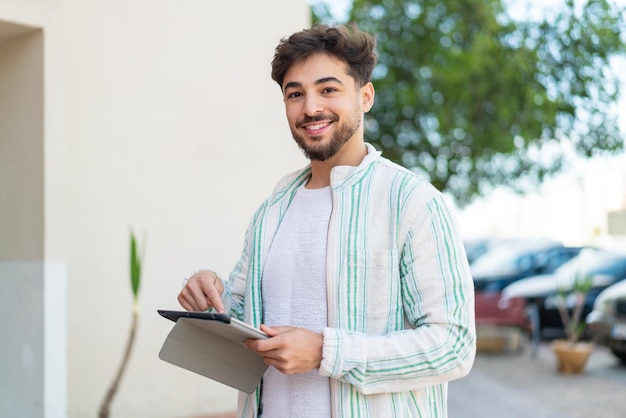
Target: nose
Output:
[(312, 105)]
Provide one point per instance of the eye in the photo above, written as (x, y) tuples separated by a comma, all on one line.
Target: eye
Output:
[(329, 90), (294, 95)]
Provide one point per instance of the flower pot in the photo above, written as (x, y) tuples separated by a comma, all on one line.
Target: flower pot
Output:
[(572, 357)]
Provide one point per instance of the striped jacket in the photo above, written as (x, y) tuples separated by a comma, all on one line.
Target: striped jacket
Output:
[(400, 294)]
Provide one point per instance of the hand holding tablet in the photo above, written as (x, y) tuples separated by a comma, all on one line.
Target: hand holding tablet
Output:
[(211, 344)]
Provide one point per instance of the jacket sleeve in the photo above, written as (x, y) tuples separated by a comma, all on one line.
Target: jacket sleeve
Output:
[(437, 343)]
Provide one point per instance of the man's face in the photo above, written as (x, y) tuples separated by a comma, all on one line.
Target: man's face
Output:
[(324, 106)]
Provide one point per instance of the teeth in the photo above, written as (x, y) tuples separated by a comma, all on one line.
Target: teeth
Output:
[(317, 127)]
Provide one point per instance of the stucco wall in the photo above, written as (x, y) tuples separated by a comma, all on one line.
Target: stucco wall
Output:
[(22, 307), (160, 116)]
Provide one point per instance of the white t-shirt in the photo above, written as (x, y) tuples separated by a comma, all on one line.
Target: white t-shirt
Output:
[(294, 293)]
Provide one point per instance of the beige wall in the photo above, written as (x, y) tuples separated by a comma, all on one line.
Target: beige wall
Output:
[(160, 116), (22, 376), (21, 144)]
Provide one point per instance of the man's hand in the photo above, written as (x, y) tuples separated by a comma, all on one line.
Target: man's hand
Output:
[(291, 350), (202, 291)]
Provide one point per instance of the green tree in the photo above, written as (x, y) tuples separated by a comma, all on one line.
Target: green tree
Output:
[(472, 99)]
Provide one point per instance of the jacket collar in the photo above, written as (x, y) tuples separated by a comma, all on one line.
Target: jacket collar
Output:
[(345, 175), (340, 177)]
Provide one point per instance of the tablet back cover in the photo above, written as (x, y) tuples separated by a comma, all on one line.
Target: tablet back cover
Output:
[(209, 348)]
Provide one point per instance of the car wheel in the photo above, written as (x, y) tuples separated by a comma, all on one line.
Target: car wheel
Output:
[(620, 353)]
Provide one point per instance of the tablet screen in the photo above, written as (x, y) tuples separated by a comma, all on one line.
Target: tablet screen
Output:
[(230, 327)]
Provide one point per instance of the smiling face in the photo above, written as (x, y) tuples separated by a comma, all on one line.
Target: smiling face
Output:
[(324, 106)]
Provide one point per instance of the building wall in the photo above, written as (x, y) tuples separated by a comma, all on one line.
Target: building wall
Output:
[(158, 116), (23, 351)]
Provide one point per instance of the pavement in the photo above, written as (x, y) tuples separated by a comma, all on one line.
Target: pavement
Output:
[(525, 383)]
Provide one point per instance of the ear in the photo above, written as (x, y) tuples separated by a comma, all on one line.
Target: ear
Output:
[(367, 97)]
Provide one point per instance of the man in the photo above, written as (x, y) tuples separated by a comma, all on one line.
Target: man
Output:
[(354, 265)]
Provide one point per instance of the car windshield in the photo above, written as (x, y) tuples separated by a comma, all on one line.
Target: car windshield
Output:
[(592, 262), (508, 259)]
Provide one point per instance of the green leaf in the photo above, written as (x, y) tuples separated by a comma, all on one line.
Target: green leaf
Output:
[(135, 266)]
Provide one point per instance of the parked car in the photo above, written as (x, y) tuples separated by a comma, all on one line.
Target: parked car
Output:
[(507, 264), (541, 291), (477, 247), (607, 321)]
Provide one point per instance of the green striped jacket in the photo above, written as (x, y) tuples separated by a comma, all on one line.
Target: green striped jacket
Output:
[(400, 293)]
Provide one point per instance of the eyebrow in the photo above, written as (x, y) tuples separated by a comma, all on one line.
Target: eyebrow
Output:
[(296, 84)]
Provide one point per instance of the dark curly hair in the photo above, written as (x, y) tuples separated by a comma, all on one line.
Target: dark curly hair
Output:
[(345, 42)]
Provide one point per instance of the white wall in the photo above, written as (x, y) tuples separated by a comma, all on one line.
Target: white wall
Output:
[(176, 129), (160, 116)]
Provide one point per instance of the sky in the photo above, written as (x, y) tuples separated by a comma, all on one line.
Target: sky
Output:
[(517, 8), (571, 207)]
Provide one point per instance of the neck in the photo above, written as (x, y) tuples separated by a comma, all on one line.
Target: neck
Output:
[(351, 154)]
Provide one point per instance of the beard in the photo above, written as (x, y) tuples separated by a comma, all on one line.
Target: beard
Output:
[(342, 134)]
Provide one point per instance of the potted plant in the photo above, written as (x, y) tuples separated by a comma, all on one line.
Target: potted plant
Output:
[(136, 262), (571, 352)]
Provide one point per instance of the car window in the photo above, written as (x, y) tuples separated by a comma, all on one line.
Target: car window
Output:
[(591, 264), (498, 260), (585, 261), (525, 262), (615, 268), (559, 257), (508, 260)]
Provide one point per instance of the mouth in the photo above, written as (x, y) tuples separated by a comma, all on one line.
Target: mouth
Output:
[(317, 126)]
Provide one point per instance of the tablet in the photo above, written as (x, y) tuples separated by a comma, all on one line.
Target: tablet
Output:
[(211, 344), (238, 329)]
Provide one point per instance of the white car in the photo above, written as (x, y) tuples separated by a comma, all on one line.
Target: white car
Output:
[(607, 320)]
